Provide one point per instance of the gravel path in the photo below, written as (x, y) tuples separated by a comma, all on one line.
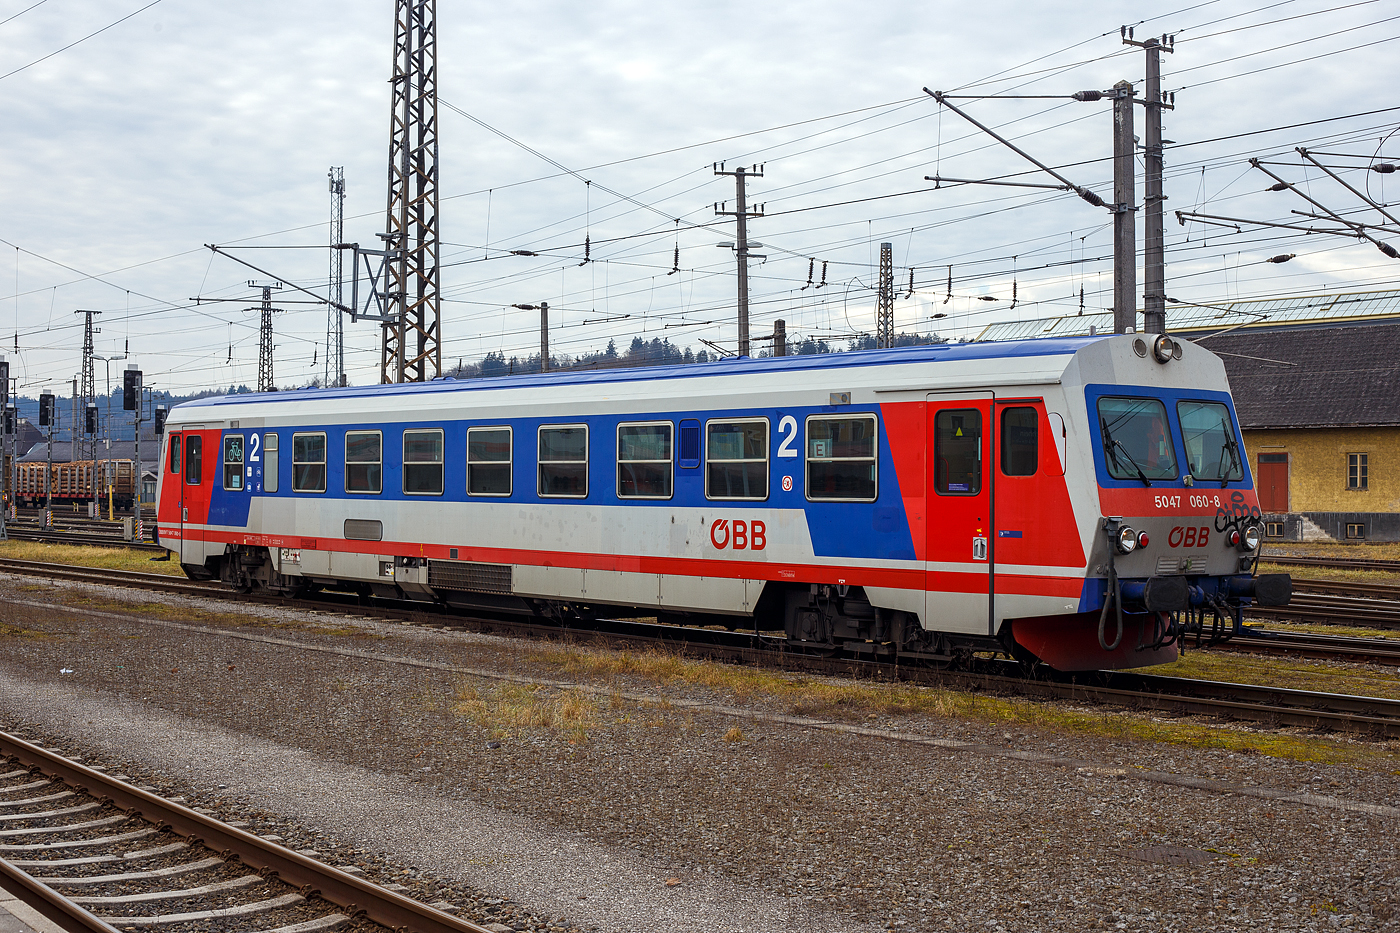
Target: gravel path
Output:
[(648, 812)]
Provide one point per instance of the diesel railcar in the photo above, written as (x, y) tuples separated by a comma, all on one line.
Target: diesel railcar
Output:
[(1073, 501)]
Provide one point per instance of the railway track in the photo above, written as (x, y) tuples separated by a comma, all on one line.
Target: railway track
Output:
[(1373, 715), (1335, 563), (1378, 650), (96, 853)]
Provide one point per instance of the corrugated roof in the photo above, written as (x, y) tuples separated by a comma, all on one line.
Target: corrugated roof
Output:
[(1252, 314)]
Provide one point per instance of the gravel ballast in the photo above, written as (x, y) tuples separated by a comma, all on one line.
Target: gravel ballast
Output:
[(675, 808)]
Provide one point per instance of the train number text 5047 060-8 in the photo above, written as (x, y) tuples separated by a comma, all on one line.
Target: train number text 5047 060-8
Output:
[(1195, 502)]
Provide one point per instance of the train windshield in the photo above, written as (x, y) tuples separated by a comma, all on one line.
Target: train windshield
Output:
[(1212, 453), (1136, 442)]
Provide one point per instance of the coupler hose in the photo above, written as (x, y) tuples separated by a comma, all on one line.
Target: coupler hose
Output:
[(1117, 603)]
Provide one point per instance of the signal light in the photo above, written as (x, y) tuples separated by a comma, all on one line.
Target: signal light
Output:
[(46, 410), (131, 389), (160, 419), (4, 383), (90, 419), (11, 419)]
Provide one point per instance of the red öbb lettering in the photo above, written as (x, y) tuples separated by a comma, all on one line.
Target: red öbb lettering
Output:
[(738, 535), (1189, 537)]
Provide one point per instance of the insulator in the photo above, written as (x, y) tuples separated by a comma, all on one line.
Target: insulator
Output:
[(1388, 250), (988, 298), (1087, 95), (1281, 257), (1384, 168), (676, 261), (1279, 186), (1089, 196), (1081, 299), (911, 284), (1014, 299), (949, 297), (823, 281)]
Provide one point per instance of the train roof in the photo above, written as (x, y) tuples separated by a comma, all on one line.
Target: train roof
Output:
[(935, 353)]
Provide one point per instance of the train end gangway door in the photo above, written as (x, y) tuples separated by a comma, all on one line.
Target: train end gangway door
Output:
[(960, 551)]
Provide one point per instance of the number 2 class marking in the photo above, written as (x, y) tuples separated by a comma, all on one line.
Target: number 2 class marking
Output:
[(788, 426)]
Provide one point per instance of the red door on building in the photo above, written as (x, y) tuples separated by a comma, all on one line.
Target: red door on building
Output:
[(1273, 483)]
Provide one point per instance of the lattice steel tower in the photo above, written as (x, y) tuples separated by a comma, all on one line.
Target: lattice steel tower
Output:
[(88, 392), (884, 309), (335, 322), (412, 340), (266, 383)]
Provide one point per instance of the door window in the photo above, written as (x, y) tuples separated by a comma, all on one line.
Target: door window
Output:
[(957, 451), (193, 446)]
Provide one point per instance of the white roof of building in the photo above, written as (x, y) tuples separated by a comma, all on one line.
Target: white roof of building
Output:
[(1301, 310)]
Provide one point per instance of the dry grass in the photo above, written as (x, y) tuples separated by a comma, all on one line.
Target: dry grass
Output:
[(1325, 549), (1321, 628), (1333, 574), (1282, 672), (76, 555), (872, 703), (511, 708)]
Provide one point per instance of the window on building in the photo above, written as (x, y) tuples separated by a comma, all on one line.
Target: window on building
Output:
[(271, 463), (308, 463), (488, 461), (422, 462), (563, 462), (233, 461), (644, 468), (1020, 450), (1212, 453), (364, 461), (1136, 441), (736, 459), (957, 451), (1358, 471), (1356, 530), (841, 460), (1273, 529)]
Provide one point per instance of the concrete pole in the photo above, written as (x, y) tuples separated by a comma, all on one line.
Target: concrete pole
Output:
[(1154, 299), (1124, 227)]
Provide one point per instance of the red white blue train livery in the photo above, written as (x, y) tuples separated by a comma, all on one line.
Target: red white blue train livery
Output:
[(1073, 501)]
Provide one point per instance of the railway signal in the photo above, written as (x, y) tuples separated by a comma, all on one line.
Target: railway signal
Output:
[(90, 418), (131, 389), (46, 410), (160, 414)]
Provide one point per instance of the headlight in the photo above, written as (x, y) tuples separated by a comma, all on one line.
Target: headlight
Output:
[(1125, 539), (1163, 349), (1251, 537)]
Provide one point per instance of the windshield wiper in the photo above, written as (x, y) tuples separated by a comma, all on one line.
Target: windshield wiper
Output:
[(1110, 442), (1234, 450)]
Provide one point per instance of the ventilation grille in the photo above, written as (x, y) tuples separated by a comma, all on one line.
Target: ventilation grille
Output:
[(468, 577), (364, 529), (1190, 563)]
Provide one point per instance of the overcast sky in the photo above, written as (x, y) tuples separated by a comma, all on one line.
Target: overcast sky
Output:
[(191, 123)]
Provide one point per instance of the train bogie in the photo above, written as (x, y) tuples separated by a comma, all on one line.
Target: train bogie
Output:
[(928, 501)]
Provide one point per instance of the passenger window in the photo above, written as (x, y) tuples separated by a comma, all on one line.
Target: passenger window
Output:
[(175, 453), (233, 461), (1212, 453), (308, 463), (270, 463), (364, 461), (564, 462), (1136, 443), (841, 458), (193, 445), (736, 460), (422, 463), (1020, 449), (644, 461), (488, 461), (957, 451)]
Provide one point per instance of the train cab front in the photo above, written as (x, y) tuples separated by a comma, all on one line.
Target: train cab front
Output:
[(1176, 546)]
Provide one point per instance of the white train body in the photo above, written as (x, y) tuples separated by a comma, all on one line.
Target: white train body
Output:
[(916, 501)]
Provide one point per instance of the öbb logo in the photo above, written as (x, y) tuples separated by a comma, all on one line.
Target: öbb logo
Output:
[(738, 535), (1188, 537)]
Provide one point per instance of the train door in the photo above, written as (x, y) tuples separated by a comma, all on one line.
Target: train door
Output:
[(960, 552), (194, 497)]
